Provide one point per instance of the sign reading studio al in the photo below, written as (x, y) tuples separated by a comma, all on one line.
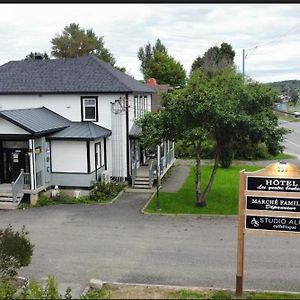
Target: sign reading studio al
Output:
[(269, 203)]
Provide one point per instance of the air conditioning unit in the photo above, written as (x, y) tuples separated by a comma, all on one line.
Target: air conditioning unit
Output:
[(105, 177)]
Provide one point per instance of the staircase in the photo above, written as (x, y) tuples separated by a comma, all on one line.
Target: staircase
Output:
[(6, 197), (142, 182)]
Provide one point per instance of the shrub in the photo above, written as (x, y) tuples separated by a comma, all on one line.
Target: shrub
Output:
[(104, 192), (226, 157), (43, 201), (15, 251), (7, 289), (97, 294), (34, 290)]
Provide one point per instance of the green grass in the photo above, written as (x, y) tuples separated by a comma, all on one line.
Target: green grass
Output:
[(287, 117), (222, 200), (276, 157)]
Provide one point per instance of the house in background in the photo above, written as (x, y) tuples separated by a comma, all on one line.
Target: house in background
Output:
[(66, 123), (159, 89)]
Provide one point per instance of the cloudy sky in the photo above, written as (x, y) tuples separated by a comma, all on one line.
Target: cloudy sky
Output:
[(187, 30)]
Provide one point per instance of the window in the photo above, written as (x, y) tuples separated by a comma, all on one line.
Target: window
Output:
[(145, 104), (99, 157), (135, 99), (89, 108)]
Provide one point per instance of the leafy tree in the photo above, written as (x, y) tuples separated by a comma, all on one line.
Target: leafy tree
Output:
[(165, 69), (37, 55), (157, 63), (221, 109), (294, 97), (15, 251), (215, 59), (75, 41)]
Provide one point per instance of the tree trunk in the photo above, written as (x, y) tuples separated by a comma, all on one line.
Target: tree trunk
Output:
[(197, 148), (204, 195)]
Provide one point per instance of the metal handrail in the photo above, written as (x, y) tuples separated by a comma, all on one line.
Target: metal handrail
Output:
[(151, 173), (134, 172), (17, 186)]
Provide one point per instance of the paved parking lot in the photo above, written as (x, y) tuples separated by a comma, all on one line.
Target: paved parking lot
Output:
[(117, 243)]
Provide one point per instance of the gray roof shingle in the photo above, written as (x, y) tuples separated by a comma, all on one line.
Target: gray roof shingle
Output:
[(36, 120), (81, 131), (85, 74)]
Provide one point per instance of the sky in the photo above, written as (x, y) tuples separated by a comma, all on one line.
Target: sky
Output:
[(269, 33)]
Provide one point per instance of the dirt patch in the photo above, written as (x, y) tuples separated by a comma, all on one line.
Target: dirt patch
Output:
[(138, 292)]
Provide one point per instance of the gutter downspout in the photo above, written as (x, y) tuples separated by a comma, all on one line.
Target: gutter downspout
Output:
[(127, 137)]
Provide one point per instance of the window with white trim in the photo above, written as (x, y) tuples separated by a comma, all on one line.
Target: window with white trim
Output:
[(99, 156), (89, 109)]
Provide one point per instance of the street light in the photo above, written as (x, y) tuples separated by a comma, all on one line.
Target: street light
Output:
[(157, 177)]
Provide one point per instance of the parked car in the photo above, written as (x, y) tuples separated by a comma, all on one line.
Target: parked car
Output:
[(297, 114)]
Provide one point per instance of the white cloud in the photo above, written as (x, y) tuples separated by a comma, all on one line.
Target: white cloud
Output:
[(187, 30)]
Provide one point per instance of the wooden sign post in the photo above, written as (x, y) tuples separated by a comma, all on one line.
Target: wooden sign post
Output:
[(269, 203)]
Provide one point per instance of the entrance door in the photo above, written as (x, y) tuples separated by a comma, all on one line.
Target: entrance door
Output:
[(13, 161)]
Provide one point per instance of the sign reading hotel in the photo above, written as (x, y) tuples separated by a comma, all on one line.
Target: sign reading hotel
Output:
[(269, 203)]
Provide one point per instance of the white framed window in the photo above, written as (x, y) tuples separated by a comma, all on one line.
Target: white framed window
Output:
[(89, 108), (99, 155), (145, 104), (135, 100)]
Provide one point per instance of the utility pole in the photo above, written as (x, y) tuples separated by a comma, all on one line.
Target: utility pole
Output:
[(244, 64)]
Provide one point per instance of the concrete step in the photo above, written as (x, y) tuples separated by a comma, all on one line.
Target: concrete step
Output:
[(8, 205), (141, 186), (6, 194)]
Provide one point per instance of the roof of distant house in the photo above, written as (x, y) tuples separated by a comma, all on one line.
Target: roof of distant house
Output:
[(85, 74)]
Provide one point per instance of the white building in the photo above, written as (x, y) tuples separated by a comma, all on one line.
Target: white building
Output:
[(68, 122)]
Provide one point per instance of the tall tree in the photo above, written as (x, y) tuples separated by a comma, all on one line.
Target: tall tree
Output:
[(165, 69), (215, 59), (75, 41), (37, 55), (219, 108), (157, 63)]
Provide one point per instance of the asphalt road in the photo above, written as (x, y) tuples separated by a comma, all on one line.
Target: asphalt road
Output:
[(117, 243), (292, 140)]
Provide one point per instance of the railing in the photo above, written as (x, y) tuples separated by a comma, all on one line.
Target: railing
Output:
[(134, 172), (17, 186), (39, 179), (152, 167), (27, 184)]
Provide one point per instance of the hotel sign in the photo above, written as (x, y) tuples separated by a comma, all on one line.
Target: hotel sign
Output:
[(268, 184), (269, 203)]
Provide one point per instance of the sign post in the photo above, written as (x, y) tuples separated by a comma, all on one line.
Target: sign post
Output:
[(269, 203)]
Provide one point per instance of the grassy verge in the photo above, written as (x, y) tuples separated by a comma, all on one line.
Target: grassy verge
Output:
[(287, 117), (153, 292), (222, 200)]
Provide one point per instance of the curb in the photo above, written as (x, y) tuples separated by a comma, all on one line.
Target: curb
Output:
[(192, 288)]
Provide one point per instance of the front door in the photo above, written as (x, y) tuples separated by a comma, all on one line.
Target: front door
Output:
[(13, 161)]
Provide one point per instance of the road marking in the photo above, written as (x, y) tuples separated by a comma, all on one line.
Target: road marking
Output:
[(297, 145)]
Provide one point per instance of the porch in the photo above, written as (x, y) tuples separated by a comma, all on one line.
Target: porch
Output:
[(11, 194), (143, 177)]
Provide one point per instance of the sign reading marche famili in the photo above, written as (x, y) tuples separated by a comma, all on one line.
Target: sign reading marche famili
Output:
[(269, 203), (273, 203)]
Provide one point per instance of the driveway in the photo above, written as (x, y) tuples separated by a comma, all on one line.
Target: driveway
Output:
[(116, 243)]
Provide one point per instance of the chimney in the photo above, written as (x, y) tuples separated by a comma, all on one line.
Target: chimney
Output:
[(151, 81)]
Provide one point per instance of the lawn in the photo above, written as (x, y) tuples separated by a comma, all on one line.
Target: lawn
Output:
[(222, 200)]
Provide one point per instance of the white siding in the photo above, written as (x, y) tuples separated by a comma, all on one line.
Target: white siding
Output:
[(69, 156), (8, 128)]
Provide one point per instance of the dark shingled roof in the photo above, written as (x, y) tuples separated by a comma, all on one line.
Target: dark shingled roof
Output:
[(36, 120), (81, 131), (85, 74)]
